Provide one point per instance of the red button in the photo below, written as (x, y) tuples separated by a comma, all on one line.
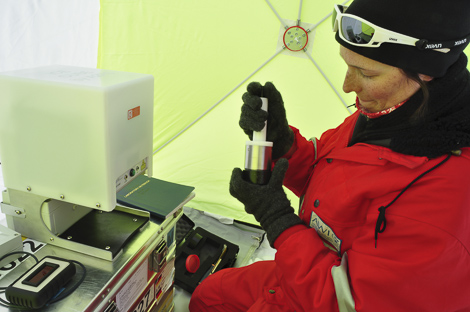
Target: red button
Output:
[(192, 263)]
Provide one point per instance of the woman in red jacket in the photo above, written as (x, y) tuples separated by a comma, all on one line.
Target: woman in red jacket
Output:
[(384, 222)]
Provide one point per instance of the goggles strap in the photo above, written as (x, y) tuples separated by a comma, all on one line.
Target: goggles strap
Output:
[(424, 44)]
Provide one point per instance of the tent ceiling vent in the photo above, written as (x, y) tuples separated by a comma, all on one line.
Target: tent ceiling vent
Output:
[(296, 38)]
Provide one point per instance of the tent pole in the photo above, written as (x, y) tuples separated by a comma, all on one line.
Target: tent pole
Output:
[(326, 17), (316, 64), (328, 80), (277, 14), (300, 11)]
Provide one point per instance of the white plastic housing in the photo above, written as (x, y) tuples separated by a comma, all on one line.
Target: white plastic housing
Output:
[(69, 133), (261, 135)]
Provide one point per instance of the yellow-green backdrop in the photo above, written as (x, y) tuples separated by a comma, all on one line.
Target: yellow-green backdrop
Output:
[(203, 54)]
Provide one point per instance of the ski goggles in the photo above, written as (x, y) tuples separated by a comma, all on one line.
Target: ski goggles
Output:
[(359, 32)]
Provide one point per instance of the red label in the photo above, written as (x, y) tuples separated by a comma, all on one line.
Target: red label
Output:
[(133, 112)]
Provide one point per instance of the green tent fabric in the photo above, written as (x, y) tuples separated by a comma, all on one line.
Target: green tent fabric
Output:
[(202, 55)]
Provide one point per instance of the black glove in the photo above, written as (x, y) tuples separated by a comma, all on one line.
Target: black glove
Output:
[(268, 203), (253, 117)]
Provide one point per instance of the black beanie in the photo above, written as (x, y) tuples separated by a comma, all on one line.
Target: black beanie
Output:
[(433, 20)]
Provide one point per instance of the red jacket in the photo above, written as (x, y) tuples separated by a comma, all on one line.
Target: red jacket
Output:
[(422, 258)]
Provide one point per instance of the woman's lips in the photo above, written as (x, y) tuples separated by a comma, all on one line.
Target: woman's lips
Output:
[(362, 105)]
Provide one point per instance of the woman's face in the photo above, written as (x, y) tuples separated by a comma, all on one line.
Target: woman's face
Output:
[(378, 86)]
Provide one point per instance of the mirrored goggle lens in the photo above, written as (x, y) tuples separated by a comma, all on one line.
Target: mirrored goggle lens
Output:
[(356, 31)]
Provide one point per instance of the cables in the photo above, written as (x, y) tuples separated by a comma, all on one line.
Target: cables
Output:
[(74, 287), (21, 253)]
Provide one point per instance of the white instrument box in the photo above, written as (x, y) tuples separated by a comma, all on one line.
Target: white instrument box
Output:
[(75, 134)]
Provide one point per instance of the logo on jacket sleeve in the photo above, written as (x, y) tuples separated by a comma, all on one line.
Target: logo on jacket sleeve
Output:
[(326, 233)]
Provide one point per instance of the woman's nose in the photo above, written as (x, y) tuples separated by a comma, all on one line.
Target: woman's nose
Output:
[(350, 83)]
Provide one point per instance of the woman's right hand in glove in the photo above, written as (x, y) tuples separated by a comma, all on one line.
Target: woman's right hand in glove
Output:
[(253, 117)]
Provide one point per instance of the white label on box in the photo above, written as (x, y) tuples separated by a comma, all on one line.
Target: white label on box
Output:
[(133, 288)]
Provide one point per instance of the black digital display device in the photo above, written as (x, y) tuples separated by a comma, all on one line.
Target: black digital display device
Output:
[(40, 283), (38, 276)]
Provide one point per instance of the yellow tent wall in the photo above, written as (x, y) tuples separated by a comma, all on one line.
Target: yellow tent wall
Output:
[(202, 55)]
